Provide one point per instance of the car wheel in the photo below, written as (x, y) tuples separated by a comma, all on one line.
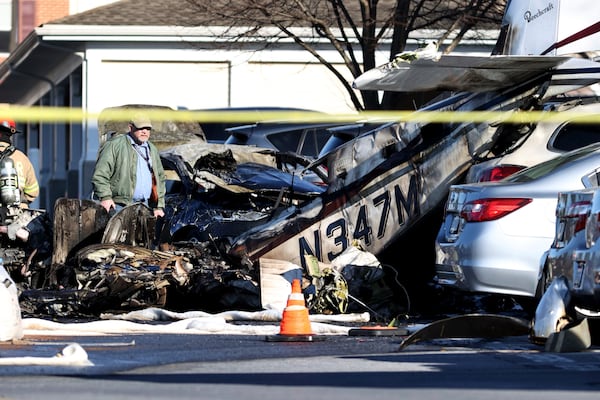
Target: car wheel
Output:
[(529, 304), (543, 283)]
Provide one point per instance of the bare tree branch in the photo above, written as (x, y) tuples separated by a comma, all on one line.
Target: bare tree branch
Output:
[(356, 29)]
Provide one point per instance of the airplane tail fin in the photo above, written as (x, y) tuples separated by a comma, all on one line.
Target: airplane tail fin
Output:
[(549, 27)]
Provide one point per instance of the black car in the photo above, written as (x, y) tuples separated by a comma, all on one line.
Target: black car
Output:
[(216, 131)]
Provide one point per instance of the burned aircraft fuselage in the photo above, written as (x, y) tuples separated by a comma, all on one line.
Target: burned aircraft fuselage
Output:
[(382, 184)]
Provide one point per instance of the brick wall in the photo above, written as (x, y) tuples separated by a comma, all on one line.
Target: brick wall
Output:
[(47, 10), (33, 13)]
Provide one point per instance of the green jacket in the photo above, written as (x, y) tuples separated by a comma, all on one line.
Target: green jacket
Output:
[(115, 172)]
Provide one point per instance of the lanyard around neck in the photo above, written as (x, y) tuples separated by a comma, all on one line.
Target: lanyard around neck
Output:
[(146, 156)]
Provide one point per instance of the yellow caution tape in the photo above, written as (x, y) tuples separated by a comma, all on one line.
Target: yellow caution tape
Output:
[(25, 114)]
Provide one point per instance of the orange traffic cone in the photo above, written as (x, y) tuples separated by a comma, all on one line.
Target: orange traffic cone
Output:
[(295, 324)]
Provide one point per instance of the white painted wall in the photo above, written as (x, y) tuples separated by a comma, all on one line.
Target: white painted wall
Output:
[(192, 79), (175, 84), (5, 15), (301, 85)]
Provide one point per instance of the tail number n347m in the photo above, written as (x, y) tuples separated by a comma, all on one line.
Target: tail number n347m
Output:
[(375, 217)]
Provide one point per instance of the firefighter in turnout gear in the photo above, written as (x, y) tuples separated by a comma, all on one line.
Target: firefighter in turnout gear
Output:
[(25, 232), (18, 185), (13, 161)]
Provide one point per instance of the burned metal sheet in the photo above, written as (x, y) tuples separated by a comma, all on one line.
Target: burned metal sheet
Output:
[(223, 191), (77, 222), (470, 326), (192, 153), (134, 225)]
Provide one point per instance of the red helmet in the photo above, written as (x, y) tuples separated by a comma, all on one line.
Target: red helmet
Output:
[(8, 125)]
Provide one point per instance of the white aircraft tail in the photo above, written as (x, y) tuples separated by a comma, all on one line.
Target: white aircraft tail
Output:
[(549, 27)]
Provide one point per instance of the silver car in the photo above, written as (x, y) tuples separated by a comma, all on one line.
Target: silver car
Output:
[(575, 251), (494, 234)]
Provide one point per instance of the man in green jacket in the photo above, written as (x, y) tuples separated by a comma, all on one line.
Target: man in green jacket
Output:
[(129, 170)]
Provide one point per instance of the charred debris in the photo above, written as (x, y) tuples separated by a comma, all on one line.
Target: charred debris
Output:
[(232, 211), (83, 262)]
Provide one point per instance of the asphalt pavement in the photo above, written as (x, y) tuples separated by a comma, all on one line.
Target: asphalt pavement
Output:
[(203, 366)]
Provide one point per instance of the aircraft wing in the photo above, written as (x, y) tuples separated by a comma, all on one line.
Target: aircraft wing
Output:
[(575, 74), (456, 73)]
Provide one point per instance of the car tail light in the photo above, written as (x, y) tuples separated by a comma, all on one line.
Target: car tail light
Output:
[(579, 211), (491, 209), (499, 172)]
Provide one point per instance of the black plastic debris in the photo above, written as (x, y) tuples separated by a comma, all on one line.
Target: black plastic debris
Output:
[(470, 326)]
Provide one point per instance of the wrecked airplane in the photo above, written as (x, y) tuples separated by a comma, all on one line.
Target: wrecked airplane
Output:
[(383, 183), (230, 213), (232, 209)]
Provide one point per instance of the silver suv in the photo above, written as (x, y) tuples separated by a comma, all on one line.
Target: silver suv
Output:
[(525, 145), (575, 250)]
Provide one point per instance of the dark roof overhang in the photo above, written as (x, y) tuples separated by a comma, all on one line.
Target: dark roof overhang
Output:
[(33, 69)]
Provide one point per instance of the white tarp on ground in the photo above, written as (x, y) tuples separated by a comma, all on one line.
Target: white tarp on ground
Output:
[(191, 322), (272, 315), (71, 355), (207, 325)]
